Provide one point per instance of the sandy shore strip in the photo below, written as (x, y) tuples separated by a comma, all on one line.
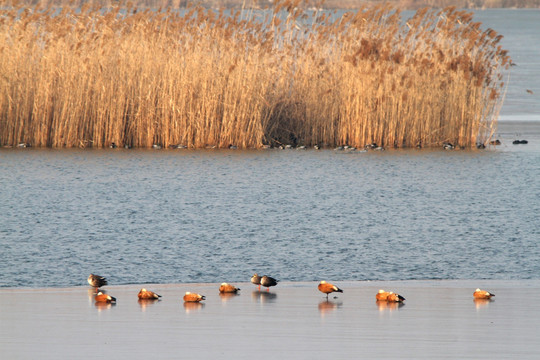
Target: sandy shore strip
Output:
[(439, 319)]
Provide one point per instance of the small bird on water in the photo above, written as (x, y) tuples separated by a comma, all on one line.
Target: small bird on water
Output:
[(148, 295), (328, 288), (268, 281), (97, 281)]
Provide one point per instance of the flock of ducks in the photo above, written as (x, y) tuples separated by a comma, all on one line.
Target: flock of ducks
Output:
[(373, 146), (327, 288)]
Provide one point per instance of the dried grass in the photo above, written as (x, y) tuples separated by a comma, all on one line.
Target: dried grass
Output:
[(94, 76)]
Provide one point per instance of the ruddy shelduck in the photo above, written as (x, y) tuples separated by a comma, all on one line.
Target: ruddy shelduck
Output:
[(97, 281), (382, 295), (228, 288), (192, 297), (388, 296), (268, 281), (256, 279), (482, 294), (148, 295), (328, 288), (104, 298), (393, 297)]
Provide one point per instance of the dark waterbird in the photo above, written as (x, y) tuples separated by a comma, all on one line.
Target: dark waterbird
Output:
[(97, 281), (268, 281), (256, 279)]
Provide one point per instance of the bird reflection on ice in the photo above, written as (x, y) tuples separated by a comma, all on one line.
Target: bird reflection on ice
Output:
[(327, 306), (481, 303), (101, 306), (144, 303), (388, 305), (191, 307), (263, 296), (227, 296)]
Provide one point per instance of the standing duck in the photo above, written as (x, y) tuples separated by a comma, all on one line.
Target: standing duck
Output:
[(268, 281), (328, 288), (97, 281), (256, 279)]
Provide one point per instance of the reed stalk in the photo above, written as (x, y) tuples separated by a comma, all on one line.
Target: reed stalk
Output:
[(93, 76)]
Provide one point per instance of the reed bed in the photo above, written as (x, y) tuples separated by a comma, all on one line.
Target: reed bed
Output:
[(92, 76)]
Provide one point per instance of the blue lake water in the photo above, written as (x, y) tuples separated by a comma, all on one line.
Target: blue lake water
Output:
[(143, 216), (171, 216)]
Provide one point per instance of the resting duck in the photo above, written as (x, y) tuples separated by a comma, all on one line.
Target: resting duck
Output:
[(388, 296), (393, 297), (382, 295), (148, 295), (104, 298), (228, 288), (482, 294), (192, 297)]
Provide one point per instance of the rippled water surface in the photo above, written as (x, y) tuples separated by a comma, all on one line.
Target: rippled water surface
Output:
[(212, 216), (174, 216)]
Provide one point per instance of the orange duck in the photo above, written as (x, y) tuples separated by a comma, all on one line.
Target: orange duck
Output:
[(228, 288), (148, 295), (482, 294), (104, 298), (393, 297), (328, 288), (382, 295), (192, 297), (388, 296)]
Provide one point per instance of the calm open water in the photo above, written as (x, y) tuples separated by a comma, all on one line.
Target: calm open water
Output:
[(173, 216), (210, 216)]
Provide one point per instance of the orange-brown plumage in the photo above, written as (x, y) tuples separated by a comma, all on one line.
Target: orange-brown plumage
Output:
[(228, 288), (382, 295), (393, 297), (101, 297), (148, 295), (192, 297), (328, 288), (482, 294)]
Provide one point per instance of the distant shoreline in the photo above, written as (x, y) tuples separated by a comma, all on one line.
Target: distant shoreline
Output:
[(328, 4)]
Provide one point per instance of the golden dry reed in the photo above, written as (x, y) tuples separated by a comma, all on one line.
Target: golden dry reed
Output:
[(90, 76)]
